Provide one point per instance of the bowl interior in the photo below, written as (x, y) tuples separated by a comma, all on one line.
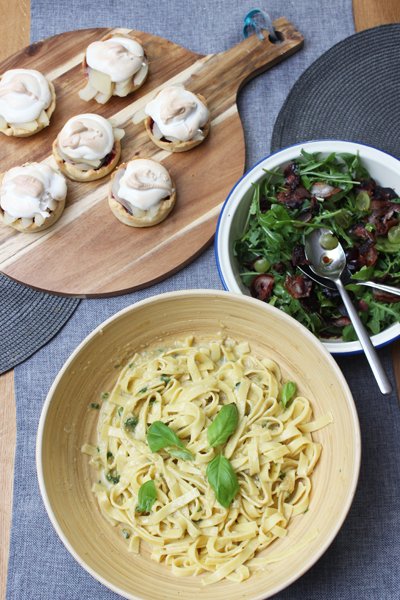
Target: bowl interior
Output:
[(67, 422), (382, 167)]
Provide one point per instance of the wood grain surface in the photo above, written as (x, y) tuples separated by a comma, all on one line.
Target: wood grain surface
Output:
[(14, 31), (88, 252)]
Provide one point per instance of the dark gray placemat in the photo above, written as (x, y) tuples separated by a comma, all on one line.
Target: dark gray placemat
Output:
[(28, 320), (350, 93)]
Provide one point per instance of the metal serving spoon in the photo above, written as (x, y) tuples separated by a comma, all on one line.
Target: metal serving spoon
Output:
[(346, 278), (330, 264)]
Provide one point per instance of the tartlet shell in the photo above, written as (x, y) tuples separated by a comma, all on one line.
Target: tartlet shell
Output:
[(165, 206), (178, 146), (54, 216), (72, 172), (133, 87), (13, 131)]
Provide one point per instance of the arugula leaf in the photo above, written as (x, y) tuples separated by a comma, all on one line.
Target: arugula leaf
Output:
[(160, 436), (146, 497), (224, 424), (222, 479), (287, 393)]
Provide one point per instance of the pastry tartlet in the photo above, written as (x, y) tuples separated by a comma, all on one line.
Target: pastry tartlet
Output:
[(116, 65), (142, 193), (177, 120), (32, 197), (27, 101), (87, 147)]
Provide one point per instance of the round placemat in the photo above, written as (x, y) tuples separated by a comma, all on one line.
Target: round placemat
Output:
[(350, 93), (28, 320)]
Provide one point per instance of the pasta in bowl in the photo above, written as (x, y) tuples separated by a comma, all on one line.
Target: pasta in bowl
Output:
[(202, 449)]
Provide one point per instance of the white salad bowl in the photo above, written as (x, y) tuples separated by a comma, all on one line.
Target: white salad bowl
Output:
[(383, 167)]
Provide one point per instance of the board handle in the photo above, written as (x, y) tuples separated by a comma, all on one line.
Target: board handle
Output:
[(253, 55)]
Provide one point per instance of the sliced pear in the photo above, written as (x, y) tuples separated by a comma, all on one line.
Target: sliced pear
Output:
[(43, 118), (118, 133), (25, 223), (8, 219), (101, 82), (87, 93), (39, 219), (141, 75), (157, 132), (52, 204), (29, 126), (122, 88), (102, 98)]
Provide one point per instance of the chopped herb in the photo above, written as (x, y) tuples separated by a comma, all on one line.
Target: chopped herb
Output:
[(126, 534), (131, 365), (95, 405), (281, 475), (152, 400), (237, 384), (113, 477), (117, 366), (165, 379), (130, 423), (105, 395), (98, 449), (120, 410), (110, 455), (143, 390)]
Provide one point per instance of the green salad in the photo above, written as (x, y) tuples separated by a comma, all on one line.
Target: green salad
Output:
[(336, 192)]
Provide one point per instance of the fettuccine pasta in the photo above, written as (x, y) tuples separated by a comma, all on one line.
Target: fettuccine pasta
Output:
[(271, 452)]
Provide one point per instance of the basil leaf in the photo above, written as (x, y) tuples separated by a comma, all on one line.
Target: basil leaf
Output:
[(146, 497), (222, 479), (287, 392), (224, 424), (180, 453), (160, 436)]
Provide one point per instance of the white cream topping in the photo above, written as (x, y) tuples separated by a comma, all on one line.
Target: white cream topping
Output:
[(30, 190), (178, 113), (118, 57), (144, 184), (87, 137), (24, 93)]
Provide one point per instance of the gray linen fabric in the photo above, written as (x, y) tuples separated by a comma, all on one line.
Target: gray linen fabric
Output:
[(362, 560)]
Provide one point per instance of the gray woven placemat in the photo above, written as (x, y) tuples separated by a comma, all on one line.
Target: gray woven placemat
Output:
[(28, 320), (350, 93)]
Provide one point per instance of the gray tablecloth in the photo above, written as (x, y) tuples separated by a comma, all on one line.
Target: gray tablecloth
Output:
[(362, 562)]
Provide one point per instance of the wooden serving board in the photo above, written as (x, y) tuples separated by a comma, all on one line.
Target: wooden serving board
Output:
[(90, 253)]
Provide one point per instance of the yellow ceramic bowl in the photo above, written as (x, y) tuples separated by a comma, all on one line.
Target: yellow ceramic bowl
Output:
[(65, 476)]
